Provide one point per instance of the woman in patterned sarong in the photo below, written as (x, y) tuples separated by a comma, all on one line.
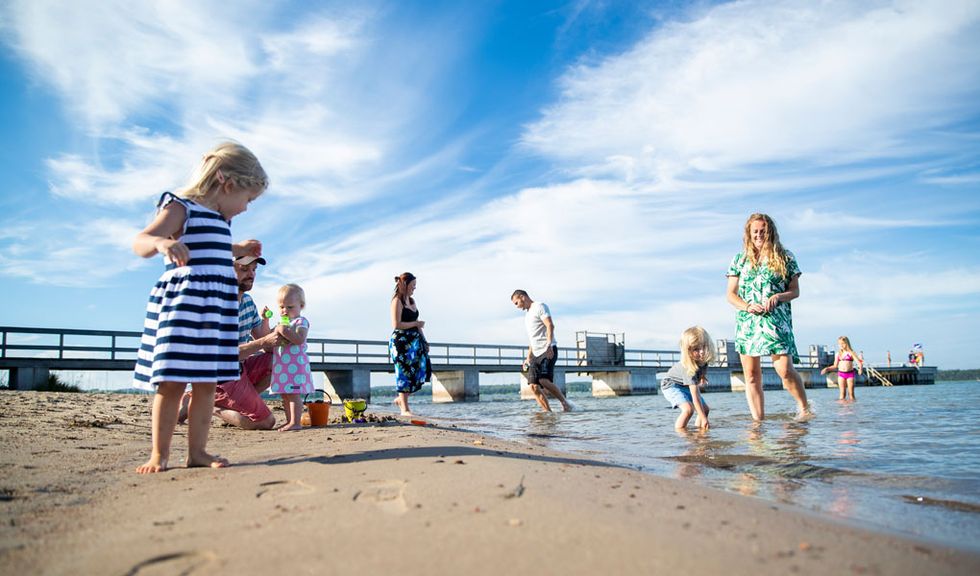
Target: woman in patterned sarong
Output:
[(407, 347), (762, 280)]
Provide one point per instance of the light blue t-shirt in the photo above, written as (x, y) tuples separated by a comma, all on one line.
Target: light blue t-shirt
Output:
[(678, 376), (248, 319)]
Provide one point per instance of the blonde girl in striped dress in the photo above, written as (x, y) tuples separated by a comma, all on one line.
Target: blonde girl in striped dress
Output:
[(190, 334)]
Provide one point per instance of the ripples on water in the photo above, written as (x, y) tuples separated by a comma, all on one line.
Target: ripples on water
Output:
[(903, 458)]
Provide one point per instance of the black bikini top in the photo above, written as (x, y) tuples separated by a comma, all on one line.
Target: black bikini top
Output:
[(409, 315)]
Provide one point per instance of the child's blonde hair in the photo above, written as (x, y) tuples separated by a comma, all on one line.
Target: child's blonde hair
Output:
[(288, 289), (228, 160), (847, 344), (772, 250), (696, 338)]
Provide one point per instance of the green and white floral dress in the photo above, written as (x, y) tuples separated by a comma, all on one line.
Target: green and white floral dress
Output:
[(768, 333)]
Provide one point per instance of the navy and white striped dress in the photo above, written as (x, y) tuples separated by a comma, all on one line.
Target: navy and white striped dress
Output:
[(191, 328)]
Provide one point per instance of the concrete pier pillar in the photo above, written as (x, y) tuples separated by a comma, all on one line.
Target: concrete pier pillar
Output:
[(606, 384), (559, 381), (633, 382), (770, 380), (456, 386), (347, 384), (28, 378)]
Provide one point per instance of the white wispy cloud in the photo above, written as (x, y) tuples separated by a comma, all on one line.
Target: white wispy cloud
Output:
[(197, 72), (111, 60), (68, 254), (755, 82)]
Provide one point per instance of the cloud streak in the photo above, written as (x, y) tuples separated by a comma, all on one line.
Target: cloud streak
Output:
[(760, 82)]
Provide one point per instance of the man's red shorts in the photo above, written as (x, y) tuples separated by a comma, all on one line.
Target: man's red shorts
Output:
[(240, 395)]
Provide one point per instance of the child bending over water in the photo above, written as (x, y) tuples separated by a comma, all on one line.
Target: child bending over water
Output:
[(682, 383)]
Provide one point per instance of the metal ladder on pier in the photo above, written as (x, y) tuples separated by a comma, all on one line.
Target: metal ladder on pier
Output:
[(875, 374)]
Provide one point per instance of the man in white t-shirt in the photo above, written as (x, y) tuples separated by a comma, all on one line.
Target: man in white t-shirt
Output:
[(542, 351)]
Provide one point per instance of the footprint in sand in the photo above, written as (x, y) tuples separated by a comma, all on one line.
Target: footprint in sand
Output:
[(280, 488), (194, 562), (387, 495)]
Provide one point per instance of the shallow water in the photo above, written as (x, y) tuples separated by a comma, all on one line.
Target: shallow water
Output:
[(901, 458)]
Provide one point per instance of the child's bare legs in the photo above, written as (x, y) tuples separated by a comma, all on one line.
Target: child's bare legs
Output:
[(842, 386), (752, 370), (166, 403), (850, 388), (401, 400), (185, 401), (294, 412), (697, 419), (199, 426), (792, 382), (687, 409)]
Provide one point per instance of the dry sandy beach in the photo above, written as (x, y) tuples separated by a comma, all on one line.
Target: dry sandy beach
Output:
[(384, 497)]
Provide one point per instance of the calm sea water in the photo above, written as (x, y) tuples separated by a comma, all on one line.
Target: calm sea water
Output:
[(903, 458)]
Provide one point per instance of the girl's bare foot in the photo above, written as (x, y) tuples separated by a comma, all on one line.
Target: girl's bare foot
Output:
[(185, 402), (153, 465), (207, 461), (287, 428)]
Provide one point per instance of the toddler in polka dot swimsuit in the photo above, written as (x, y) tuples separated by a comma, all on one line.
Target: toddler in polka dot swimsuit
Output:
[(291, 366)]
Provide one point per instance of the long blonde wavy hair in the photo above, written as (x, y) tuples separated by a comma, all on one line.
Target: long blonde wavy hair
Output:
[(772, 250), (228, 160)]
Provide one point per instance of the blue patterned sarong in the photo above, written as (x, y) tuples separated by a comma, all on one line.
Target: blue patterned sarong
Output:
[(409, 353)]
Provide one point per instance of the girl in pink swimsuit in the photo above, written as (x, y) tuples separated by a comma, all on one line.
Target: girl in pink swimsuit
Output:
[(844, 361)]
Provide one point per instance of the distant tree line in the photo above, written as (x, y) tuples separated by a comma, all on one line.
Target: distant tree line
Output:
[(971, 374)]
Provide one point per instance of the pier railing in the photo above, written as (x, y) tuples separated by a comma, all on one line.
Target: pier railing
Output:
[(70, 349), (74, 349)]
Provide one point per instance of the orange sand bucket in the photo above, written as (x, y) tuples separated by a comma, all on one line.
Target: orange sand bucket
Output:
[(319, 410)]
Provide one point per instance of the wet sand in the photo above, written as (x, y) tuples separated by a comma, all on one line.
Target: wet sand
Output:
[(385, 497)]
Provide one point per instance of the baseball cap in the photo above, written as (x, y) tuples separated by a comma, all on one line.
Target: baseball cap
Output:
[(246, 260)]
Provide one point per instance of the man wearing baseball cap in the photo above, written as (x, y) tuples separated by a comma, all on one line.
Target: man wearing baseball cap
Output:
[(238, 402)]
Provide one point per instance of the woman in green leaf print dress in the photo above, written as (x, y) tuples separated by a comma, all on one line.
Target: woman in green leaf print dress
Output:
[(762, 280)]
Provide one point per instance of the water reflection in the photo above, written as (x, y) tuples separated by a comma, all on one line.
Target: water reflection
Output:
[(542, 427), (778, 460), (691, 462)]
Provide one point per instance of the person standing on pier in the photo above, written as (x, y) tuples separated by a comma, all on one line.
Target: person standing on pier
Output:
[(762, 280), (407, 347), (542, 351)]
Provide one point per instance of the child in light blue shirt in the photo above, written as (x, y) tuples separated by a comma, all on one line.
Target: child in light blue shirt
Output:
[(681, 385)]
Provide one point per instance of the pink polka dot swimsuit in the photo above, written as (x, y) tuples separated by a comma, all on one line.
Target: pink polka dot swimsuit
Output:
[(291, 366)]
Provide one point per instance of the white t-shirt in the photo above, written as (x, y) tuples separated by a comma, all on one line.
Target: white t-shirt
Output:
[(537, 332)]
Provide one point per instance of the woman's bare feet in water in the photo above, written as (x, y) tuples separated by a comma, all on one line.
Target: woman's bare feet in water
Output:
[(403, 406), (153, 465), (207, 461)]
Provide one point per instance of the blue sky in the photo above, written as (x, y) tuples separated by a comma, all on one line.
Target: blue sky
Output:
[(601, 155)]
